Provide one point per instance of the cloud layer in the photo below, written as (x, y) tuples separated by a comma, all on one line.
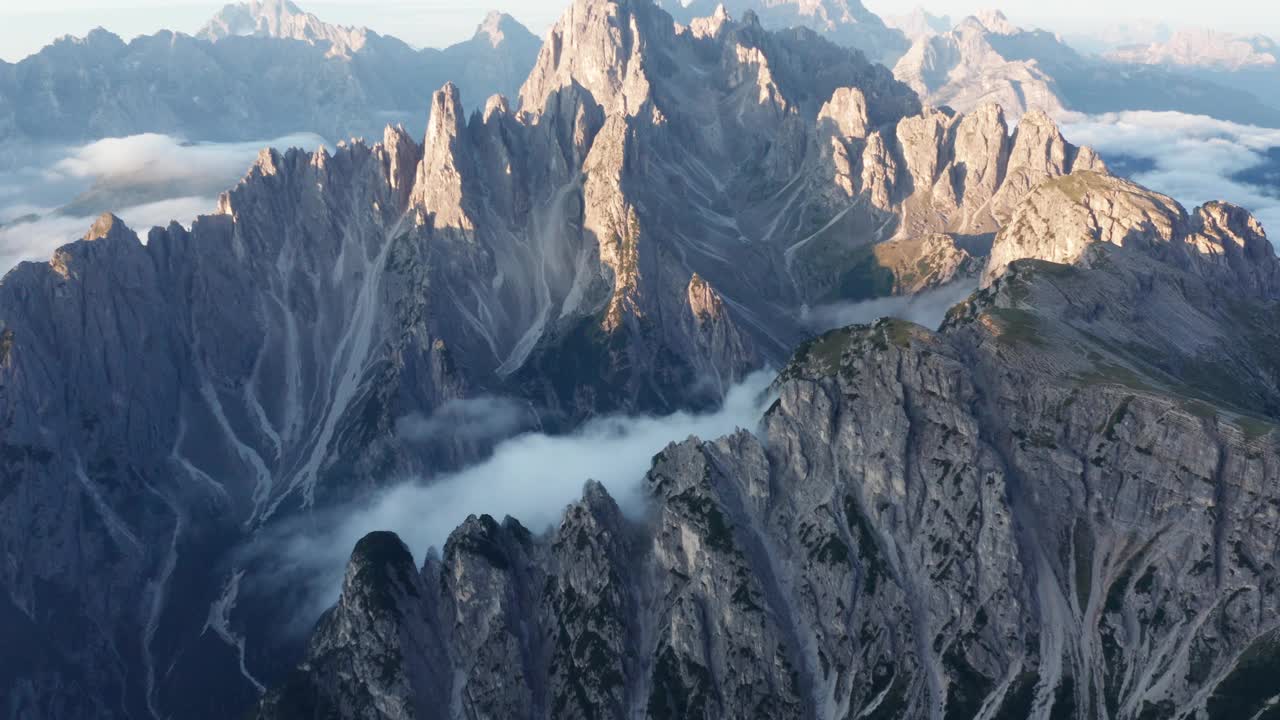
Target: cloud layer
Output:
[(1192, 158), (927, 308), (156, 159), (532, 477), (147, 180), (468, 419)]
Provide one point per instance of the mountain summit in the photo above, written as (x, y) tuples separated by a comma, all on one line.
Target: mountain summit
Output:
[(258, 70), (282, 19), (498, 27)]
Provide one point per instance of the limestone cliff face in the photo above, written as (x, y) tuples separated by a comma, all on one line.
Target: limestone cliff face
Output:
[(648, 225), (1061, 220), (1055, 507)]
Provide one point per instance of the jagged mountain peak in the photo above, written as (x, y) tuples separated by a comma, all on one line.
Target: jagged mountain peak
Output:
[(285, 20), (632, 57), (378, 559), (107, 225), (439, 186), (498, 27), (601, 45), (995, 21)]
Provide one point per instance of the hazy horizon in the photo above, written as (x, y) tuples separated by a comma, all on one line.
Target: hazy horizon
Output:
[(25, 29)]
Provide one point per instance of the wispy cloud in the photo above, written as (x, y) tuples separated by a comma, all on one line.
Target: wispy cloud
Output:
[(1192, 158), (164, 158), (467, 419), (927, 308), (532, 477), (37, 239)]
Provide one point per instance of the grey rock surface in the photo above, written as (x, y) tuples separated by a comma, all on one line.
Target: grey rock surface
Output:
[(1062, 505), (649, 222)]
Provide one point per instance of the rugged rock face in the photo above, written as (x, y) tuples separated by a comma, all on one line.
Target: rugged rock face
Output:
[(1062, 505), (371, 649), (1061, 220), (651, 224), (259, 70)]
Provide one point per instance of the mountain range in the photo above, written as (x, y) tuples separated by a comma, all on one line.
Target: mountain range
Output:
[(266, 68), (1062, 503), (985, 58), (988, 59), (1205, 49), (257, 70)]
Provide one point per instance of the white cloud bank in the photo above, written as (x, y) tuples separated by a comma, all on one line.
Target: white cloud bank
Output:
[(928, 308), (1194, 157), (147, 180), (532, 477), (158, 159)]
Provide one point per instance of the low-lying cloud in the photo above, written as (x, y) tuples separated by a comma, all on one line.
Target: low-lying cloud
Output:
[(155, 159), (147, 180), (468, 419), (927, 308), (532, 477), (36, 239), (1192, 158)]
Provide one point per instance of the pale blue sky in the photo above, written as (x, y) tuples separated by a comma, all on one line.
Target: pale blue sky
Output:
[(27, 25)]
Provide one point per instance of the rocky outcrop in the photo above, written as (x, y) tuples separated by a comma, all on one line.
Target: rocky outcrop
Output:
[(1055, 507), (1061, 221), (371, 659)]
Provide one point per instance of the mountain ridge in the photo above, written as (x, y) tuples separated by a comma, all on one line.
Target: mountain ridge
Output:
[(1015, 513), (288, 72), (649, 226), (986, 58)]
